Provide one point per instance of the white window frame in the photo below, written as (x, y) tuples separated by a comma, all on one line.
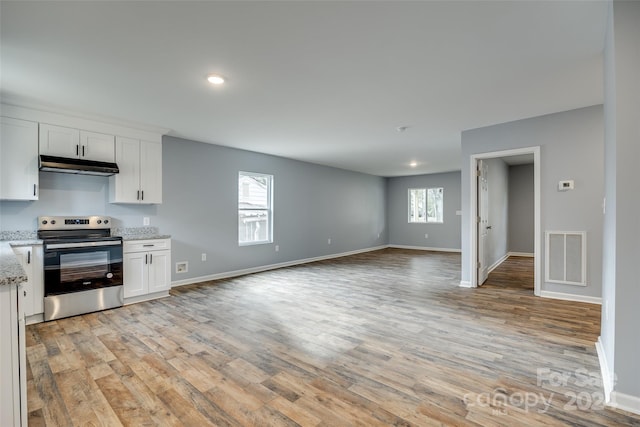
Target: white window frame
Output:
[(268, 210), (426, 207), (409, 194)]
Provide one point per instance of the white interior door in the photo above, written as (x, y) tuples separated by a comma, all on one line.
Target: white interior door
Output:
[(483, 221)]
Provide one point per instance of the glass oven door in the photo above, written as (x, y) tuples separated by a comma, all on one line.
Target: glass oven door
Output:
[(73, 267)]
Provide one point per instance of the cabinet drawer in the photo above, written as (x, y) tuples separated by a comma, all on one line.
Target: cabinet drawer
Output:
[(146, 245)]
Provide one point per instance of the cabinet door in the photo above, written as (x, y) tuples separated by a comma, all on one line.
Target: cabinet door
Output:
[(151, 171), (136, 274), (25, 256), (159, 271), (12, 356), (97, 146), (59, 141), (124, 187), (18, 160), (36, 280)]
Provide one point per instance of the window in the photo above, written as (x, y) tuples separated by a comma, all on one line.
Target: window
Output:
[(426, 205), (255, 209)]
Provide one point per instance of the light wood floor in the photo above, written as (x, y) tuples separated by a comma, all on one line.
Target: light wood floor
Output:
[(383, 338)]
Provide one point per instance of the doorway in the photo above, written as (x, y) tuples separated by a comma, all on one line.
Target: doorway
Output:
[(480, 223)]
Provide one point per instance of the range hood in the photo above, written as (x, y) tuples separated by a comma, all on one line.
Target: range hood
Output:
[(77, 166)]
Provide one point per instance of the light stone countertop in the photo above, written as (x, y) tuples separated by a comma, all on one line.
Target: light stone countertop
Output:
[(139, 233), (11, 272), (145, 236)]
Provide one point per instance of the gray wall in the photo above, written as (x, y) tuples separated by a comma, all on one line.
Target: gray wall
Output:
[(620, 316), (571, 148), (312, 203), (521, 209), (498, 182), (441, 236)]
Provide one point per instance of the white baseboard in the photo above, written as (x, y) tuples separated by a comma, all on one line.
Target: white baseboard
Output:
[(236, 273), (522, 254), (424, 248), (497, 263), (148, 297), (465, 284), (571, 297), (614, 399), (607, 381), (626, 402)]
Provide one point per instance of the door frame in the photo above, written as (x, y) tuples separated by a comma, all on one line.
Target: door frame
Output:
[(473, 205)]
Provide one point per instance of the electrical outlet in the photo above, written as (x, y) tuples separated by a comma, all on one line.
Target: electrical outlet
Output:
[(328, 241), (145, 220), (378, 235), (277, 248), (204, 256), (426, 236), (182, 267)]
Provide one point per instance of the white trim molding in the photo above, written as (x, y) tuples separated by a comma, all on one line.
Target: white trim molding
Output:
[(258, 269), (522, 254), (607, 381), (497, 263), (626, 402), (465, 284), (614, 399), (424, 248), (571, 297)]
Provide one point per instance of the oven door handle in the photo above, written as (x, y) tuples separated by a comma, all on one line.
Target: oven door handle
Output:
[(83, 244)]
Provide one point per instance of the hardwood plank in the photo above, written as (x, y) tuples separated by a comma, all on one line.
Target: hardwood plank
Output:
[(380, 338)]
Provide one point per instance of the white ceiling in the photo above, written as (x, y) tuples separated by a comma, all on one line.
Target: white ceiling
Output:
[(327, 82)]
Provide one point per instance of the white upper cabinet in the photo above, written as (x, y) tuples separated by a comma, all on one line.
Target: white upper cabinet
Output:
[(97, 146), (73, 143), (151, 172), (59, 141), (140, 177), (18, 159)]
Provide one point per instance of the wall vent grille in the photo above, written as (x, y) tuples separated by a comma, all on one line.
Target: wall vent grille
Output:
[(566, 257)]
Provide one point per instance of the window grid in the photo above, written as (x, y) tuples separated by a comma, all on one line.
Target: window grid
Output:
[(426, 205), (255, 209)]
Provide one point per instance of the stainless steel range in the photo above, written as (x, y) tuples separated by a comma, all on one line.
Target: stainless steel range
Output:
[(82, 265)]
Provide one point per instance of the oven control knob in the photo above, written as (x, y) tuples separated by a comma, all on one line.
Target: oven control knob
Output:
[(106, 221), (53, 221), (99, 221), (109, 275), (44, 222)]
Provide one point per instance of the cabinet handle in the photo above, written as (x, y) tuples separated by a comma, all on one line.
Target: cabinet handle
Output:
[(146, 258), (83, 151), (138, 196), (142, 194), (25, 293), (28, 257), (77, 150), (150, 245), (34, 189), (150, 258)]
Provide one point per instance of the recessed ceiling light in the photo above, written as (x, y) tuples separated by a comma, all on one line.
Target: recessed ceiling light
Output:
[(413, 164), (215, 79)]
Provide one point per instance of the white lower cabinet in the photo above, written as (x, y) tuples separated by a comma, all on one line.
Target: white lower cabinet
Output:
[(147, 269), (13, 372), (33, 290)]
